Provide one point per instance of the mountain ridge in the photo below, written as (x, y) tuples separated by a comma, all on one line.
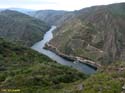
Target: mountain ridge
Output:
[(52, 17), (96, 33)]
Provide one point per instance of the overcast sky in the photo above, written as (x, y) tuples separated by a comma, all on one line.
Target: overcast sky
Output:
[(54, 4)]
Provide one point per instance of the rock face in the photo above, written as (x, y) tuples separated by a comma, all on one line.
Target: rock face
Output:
[(52, 17), (16, 26), (96, 33), (123, 87)]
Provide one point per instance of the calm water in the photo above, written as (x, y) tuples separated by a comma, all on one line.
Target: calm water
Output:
[(47, 37)]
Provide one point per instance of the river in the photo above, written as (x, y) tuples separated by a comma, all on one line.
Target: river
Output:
[(39, 46)]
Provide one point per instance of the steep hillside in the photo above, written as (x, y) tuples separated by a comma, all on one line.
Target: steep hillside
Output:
[(52, 17), (16, 26), (95, 33), (30, 72)]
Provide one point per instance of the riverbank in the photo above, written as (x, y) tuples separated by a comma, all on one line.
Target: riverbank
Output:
[(58, 57), (72, 58)]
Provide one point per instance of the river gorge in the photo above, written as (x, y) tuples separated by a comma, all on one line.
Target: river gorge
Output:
[(39, 46)]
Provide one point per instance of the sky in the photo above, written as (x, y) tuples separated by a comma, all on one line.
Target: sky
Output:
[(69, 5)]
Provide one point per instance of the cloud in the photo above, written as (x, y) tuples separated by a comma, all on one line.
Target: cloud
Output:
[(25, 2), (54, 4)]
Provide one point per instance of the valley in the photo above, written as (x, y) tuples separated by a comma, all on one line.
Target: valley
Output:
[(56, 51), (39, 46)]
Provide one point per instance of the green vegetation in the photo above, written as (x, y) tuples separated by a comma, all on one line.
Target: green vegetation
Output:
[(102, 82), (31, 72), (109, 79), (25, 69)]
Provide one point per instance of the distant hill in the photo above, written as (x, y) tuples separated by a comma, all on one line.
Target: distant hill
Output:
[(52, 17), (96, 33), (16, 26), (22, 10)]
